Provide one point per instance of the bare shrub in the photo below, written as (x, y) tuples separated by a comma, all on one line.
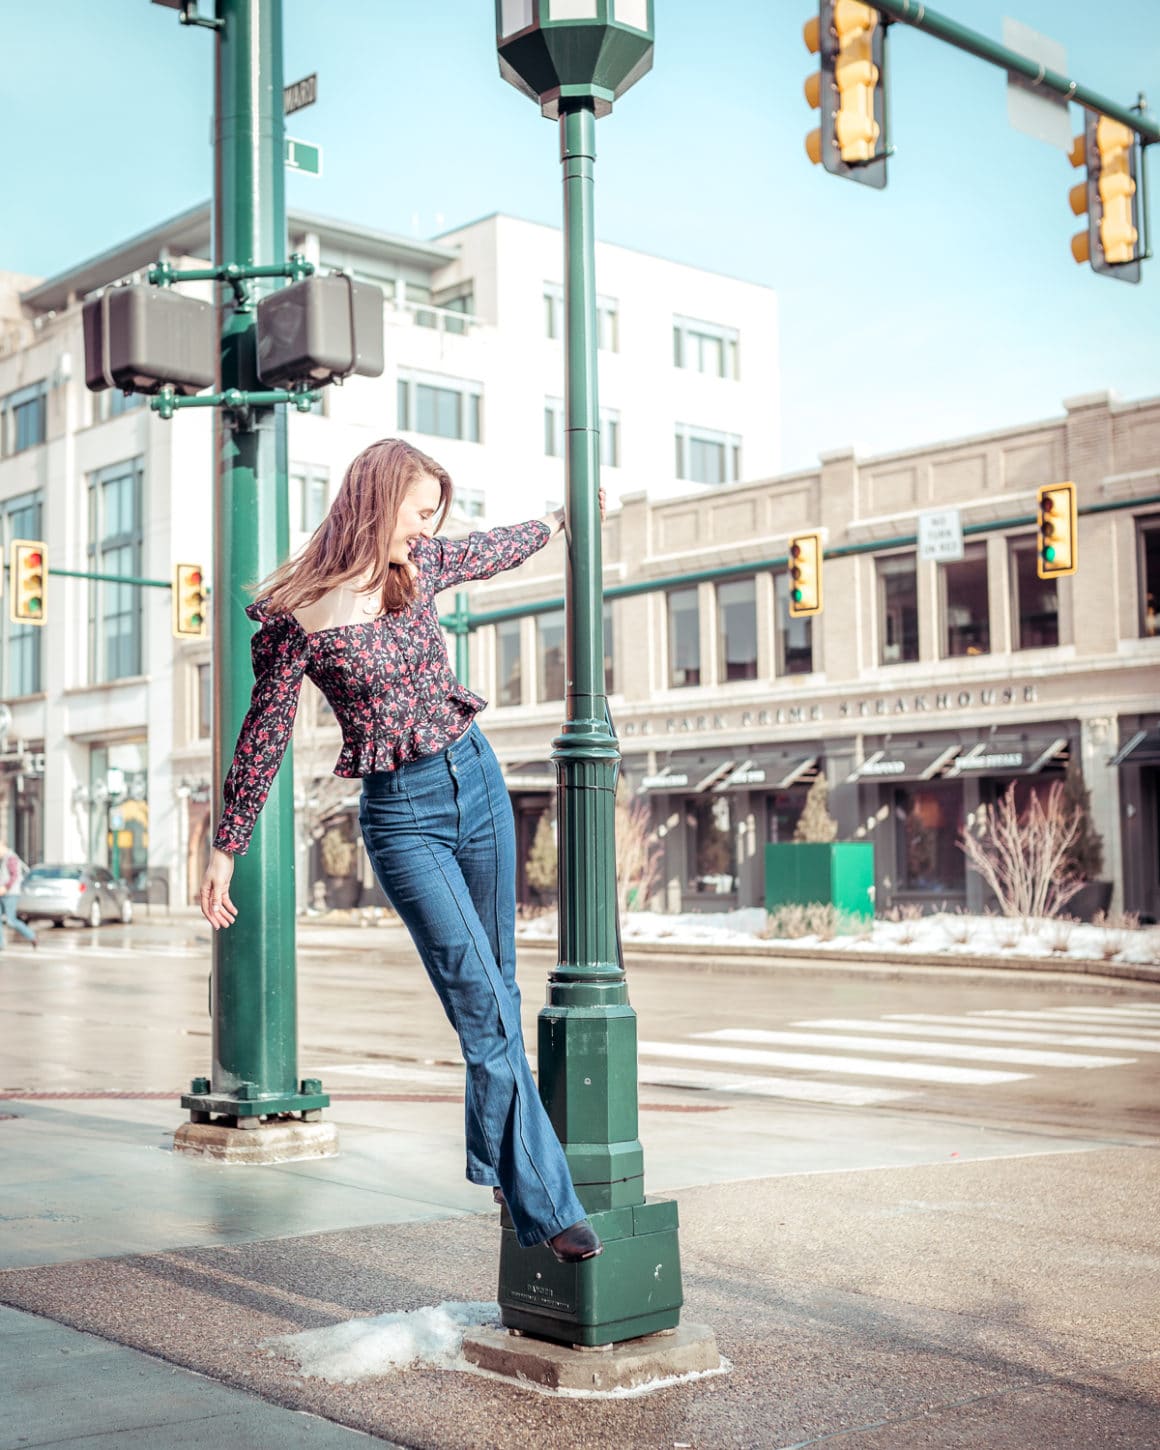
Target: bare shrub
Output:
[(787, 923), (907, 918), (1056, 932), (960, 927), (638, 852), (1024, 858), (1114, 928), (1007, 931)]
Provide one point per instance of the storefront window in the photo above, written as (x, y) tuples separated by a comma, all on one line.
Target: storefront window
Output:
[(1150, 577), (737, 616), (507, 652), (1036, 611), (966, 617), (898, 609), (684, 638), (782, 812), (711, 856), (795, 637), (550, 640), (928, 820)]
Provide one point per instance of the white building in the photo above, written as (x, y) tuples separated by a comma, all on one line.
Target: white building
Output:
[(107, 751)]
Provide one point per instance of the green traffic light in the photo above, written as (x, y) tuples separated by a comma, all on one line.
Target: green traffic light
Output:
[(1049, 554)]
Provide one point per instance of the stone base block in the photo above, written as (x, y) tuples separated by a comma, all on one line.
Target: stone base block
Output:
[(268, 1143), (688, 1349)]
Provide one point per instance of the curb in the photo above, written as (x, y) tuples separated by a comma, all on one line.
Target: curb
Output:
[(705, 956)]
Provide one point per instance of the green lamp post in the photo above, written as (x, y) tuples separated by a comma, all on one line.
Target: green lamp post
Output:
[(575, 57)]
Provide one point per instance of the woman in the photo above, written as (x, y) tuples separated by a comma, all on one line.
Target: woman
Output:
[(355, 611)]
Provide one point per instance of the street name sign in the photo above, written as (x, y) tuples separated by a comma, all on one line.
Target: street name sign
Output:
[(303, 156), (301, 93)]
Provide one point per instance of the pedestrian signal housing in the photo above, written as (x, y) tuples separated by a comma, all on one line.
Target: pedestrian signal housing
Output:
[(848, 90), (1109, 196), (805, 575), (28, 570), (1057, 552), (190, 617), (320, 330), (143, 339)]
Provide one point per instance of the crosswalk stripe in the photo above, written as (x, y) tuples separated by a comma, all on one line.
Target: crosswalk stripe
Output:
[(799, 1089), (1143, 1010), (1020, 1057), (818, 1062), (1057, 1017), (985, 1034), (1032, 1022)]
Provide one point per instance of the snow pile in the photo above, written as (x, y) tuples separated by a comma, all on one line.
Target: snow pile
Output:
[(361, 1349), (942, 935)]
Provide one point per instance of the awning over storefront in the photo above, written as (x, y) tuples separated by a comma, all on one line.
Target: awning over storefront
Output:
[(918, 762), (1142, 748), (530, 775), (671, 777), (999, 756), (768, 772)]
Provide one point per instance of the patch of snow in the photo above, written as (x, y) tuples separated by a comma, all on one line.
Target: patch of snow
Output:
[(942, 935)]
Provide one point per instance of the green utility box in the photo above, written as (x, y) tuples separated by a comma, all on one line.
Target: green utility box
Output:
[(837, 873)]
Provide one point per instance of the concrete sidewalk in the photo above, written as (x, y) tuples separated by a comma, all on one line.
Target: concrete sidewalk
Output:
[(1005, 1296)]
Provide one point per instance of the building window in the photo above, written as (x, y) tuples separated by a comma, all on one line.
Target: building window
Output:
[(550, 655), (442, 407), (204, 702), (928, 821), (553, 310), (607, 324), (705, 348), (113, 403), (795, 636), (23, 519), (609, 651), (115, 547), (509, 684), (897, 609), (1036, 602), (737, 629), (470, 503), (684, 638), (554, 433), (309, 497), (1149, 574), (415, 295), (705, 457), (460, 305), (23, 419), (966, 617), (711, 847)]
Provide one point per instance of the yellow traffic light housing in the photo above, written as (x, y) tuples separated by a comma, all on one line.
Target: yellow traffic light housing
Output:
[(805, 575), (1057, 553), (190, 617), (28, 570), (848, 89), (1109, 196)]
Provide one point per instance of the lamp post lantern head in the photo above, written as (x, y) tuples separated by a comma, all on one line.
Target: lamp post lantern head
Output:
[(561, 51)]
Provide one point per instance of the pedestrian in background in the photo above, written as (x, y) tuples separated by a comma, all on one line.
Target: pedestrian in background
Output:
[(12, 874), (355, 611)]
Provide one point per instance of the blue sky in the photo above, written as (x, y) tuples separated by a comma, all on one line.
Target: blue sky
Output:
[(944, 305)]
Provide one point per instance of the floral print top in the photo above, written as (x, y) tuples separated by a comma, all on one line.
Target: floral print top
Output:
[(388, 680)]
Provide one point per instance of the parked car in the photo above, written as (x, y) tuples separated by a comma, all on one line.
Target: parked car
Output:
[(88, 894)]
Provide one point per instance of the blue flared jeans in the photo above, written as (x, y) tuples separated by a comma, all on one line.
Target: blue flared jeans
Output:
[(441, 837)]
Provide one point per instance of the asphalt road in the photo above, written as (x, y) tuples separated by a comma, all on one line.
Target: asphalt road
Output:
[(124, 1010)]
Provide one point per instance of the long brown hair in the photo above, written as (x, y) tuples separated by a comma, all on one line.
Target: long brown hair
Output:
[(354, 539)]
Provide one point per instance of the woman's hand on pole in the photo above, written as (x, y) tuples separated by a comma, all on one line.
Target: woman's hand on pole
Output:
[(216, 906)]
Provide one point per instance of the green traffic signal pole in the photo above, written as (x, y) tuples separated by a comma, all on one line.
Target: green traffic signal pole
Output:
[(254, 989), (587, 1029)]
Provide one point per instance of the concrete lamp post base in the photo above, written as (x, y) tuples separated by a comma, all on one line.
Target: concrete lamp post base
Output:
[(265, 1143), (632, 1365)]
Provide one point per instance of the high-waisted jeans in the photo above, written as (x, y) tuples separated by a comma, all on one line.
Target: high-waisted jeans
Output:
[(441, 838)]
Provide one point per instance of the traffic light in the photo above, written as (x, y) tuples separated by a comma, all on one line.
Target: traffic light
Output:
[(1108, 194), (28, 569), (189, 611), (320, 330), (1057, 552), (849, 90), (805, 575), (143, 339)]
